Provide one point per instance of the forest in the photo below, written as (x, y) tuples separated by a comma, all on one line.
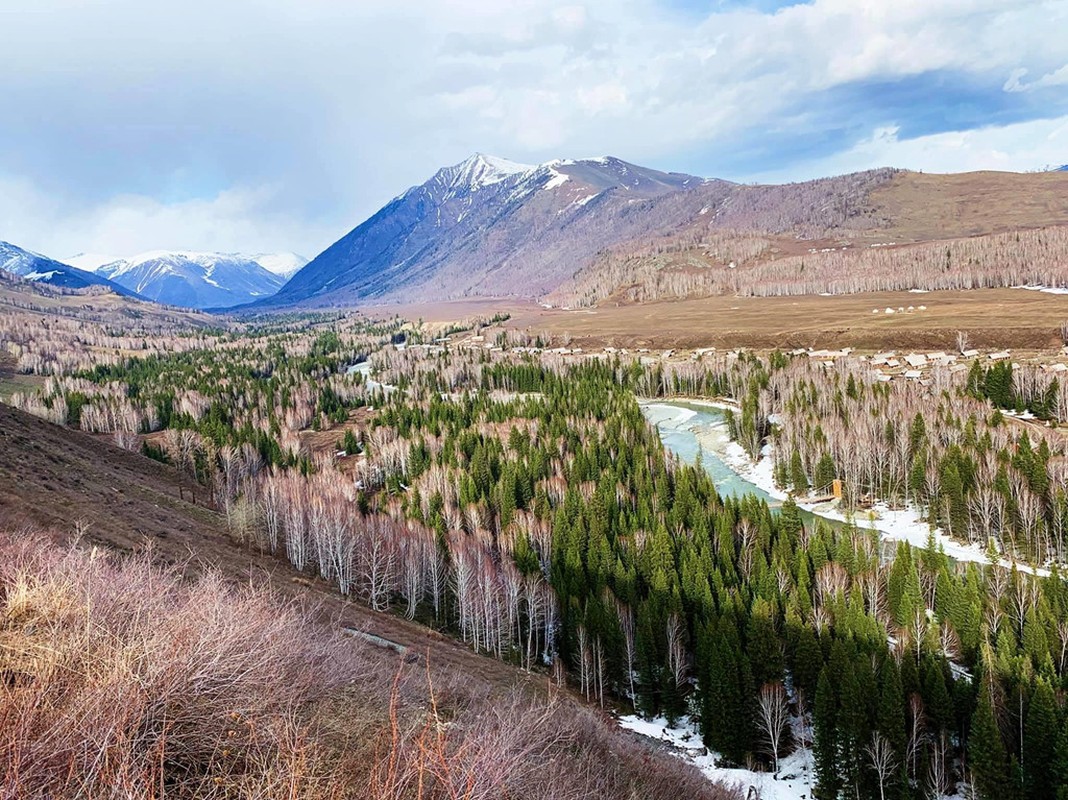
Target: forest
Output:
[(521, 502), (751, 262)]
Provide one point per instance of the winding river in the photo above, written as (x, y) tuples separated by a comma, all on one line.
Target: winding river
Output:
[(688, 429)]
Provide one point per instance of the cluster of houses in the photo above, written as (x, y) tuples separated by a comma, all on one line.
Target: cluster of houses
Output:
[(917, 366)]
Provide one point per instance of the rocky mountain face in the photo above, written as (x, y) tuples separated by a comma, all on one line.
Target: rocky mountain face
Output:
[(42, 269), (194, 280), (488, 226)]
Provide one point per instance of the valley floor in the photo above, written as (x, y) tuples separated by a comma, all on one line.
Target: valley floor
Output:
[(993, 318)]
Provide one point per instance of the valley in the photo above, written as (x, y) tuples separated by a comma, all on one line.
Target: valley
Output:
[(774, 475), (365, 436)]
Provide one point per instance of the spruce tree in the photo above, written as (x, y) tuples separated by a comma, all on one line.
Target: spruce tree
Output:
[(1039, 743), (825, 738), (986, 751)]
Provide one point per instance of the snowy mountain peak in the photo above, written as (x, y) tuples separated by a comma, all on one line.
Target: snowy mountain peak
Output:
[(477, 171), (36, 267), (285, 264), (194, 279), (90, 262)]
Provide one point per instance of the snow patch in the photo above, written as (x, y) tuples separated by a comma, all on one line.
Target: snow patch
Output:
[(557, 179), (792, 782)]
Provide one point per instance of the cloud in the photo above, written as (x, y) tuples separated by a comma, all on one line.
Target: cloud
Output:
[(231, 220), (1020, 147), (227, 125), (1015, 83)]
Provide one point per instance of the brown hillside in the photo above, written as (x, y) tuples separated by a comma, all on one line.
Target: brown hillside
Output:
[(925, 207)]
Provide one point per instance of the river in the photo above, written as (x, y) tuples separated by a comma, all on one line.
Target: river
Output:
[(689, 429), (680, 424)]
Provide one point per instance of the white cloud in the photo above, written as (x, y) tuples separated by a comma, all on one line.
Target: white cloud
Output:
[(1022, 147), (231, 221), (1015, 83), (132, 122)]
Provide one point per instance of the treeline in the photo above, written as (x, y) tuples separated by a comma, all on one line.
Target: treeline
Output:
[(744, 263)]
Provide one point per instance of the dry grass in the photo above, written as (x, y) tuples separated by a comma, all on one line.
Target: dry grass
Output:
[(925, 207), (994, 318), (119, 679)]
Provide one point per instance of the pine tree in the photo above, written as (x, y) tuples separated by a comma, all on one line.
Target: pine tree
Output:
[(807, 661), (825, 473), (1059, 766), (825, 738), (1039, 741), (764, 646), (936, 698), (986, 751)]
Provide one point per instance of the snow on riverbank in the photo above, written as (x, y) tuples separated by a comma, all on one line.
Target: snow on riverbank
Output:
[(906, 524), (899, 525), (660, 414), (792, 783)]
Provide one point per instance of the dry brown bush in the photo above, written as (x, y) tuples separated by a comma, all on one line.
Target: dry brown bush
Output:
[(120, 679)]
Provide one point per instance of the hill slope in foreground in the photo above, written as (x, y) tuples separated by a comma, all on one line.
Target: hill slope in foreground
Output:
[(217, 685)]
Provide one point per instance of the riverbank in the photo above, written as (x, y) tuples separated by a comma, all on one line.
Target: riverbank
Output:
[(712, 437)]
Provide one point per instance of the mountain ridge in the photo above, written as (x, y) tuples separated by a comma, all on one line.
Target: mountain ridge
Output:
[(42, 269), (453, 234), (194, 279)]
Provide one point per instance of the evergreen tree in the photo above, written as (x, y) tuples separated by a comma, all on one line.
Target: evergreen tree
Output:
[(825, 738), (1039, 743), (986, 751)]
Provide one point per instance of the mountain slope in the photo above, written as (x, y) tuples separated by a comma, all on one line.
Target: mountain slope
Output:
[(42, 269), (489, 226), (194, 280)]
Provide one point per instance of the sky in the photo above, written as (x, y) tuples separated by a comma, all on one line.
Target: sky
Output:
[(254, 126)]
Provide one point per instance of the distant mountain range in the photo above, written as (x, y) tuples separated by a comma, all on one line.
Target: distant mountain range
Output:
[(199, 280), (564, 230), (492, 227), (42, 269), (177, 278), (285, 264)]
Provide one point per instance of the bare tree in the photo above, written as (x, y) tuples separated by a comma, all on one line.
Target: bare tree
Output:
[(938, 769), (773, 715), (962, 342), (883, 761)]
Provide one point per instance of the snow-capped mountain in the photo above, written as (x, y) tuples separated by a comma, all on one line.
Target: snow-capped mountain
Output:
[(489, 226), (194, 280), (42, 269), (285, 264), (90, 262)]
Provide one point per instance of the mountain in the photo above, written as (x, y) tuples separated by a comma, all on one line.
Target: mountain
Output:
[(582, 231), (194, 280), (90, 262), (285, 264), (489, 226), (42, 269)]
